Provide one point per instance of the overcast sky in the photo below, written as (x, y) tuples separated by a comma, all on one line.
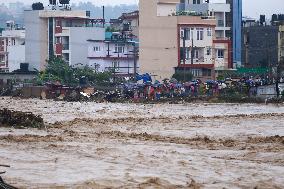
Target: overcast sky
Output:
[(252, 8)]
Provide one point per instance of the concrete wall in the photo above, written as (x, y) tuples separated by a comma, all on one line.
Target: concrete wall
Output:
[(126, 66), (166, 10), (62, 13), (221, 63), (100, 57), (12, 39), (269, 91), (104, 49), (201, 44), (16, 57), (4, 77), (262, 49), (79, 45), (36, 51), (158, 41)]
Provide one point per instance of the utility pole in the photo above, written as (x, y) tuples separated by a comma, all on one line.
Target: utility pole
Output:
[(278, 74), (184, 51), (114, 72), (135, 54), (108, 50), (192, 48), (104, 16)]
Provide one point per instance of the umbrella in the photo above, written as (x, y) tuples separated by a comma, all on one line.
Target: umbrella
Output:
[(173, 80), (188, 84)]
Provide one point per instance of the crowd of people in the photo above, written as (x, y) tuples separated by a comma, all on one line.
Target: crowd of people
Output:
[(172, 88)]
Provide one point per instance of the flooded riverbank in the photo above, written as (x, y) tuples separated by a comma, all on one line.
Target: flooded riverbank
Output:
[(91, 145)]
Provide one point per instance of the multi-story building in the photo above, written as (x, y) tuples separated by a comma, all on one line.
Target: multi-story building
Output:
[(220, 11), (236, 30), (281, 42), (115, 53), (263, 45), (127, 23), (62, 32), (217, 10), (12, 48), (169, 42), (228, 14)]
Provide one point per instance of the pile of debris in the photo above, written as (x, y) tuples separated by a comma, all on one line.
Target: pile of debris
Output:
[(20, 119), (4, 185)]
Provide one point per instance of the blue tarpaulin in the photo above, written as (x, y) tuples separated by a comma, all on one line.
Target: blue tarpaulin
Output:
[(145, 77)]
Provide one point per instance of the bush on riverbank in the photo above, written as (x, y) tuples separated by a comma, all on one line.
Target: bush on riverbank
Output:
[(20, 119)]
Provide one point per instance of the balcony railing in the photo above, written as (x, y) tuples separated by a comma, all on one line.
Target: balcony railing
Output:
[(222, 38), (195, 60)]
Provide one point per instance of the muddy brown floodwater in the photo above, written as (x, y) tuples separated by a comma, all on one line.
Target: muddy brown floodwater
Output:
[(90, 145)]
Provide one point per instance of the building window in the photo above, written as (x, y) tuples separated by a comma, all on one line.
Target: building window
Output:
[(208, 50), (220, 53), (181, 33), (97, 48), (196, 72), (187, 34), (115, 64), (196, 54), (196, 1), (200, 33), (209, 31), (188, 53), (2, 58), (58, 23), (207, 72), (119, 48), (58, 40)]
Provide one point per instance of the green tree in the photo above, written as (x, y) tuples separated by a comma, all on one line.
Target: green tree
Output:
[(58, 70), (183, 76), (37, 6)]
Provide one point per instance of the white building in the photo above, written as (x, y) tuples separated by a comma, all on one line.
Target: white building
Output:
[(12, 48), (128, 23), (201, 38), (61, 33), (220, 11), (209, 7), (114, 53)]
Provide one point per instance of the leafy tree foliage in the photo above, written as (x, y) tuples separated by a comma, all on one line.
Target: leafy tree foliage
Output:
[(37, 6), (183, 76), (64, 2), (58, 70)]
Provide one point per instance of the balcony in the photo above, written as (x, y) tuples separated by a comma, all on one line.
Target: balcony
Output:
[(84, 23), (204, 7), (168, 1), (200, 60), (221, 39)]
